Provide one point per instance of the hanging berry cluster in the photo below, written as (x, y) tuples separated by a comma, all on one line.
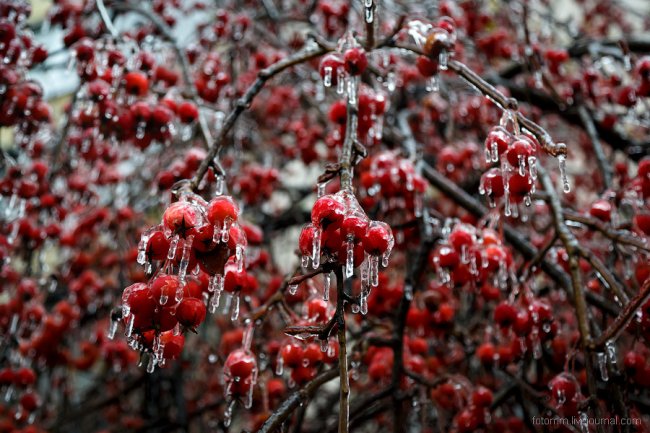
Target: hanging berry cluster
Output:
[(340, 231), (195, 237), (516, 153)]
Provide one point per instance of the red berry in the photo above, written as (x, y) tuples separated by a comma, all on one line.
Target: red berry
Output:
[(378, 239), (240, 365), (187, 112), (190, 312), (462, 236), (355, 60), (498, 138), (482, 397), (222, 208), (330, 66), (519, 151), (426, 66), (327, 211), (601, 209), (173, 344), (136, 83), (505, 315), (180, 217), (292, 355)]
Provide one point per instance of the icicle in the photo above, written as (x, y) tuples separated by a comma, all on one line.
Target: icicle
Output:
[(355, 308), (340, 81), (386, 256), (352, 85), (225, 231), (112, 330), (293, 289), (235, 307), (506, 204), (611, 353), (129, 325), (321, 189), (532, 167), (349, 257), (227, 415), (327, 79), (363, 302), (239, 257), (365, 271), (527, 200), (163, 298), (142, 249), (443, 60), (315, 254), (327, 282), (374, 271), (324, 345), (522, 165), (565, 180), (216, 237), (151, 366), (172, 247), (214, 301), (304, 262), (370, 16), (602, 366), (515, 210), (185, 259), (248, 403), (180, 292)]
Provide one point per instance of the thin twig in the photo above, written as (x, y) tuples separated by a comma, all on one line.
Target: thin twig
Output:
[(623, 319), (106, 19), (601, 158), (245, 101), (487, 89), (274, 422), (620, 236)]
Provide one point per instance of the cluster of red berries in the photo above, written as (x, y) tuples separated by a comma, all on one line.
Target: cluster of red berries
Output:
[(393, 181), (334, 16), (334, 67), (18, 384), (204, 239), (117, 104), (370, 112), (637, 366), (184, 168), (303, 359), (476, 256), (21, 100), (255, 183), (341, 232), (211, 78), (514, 178)]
